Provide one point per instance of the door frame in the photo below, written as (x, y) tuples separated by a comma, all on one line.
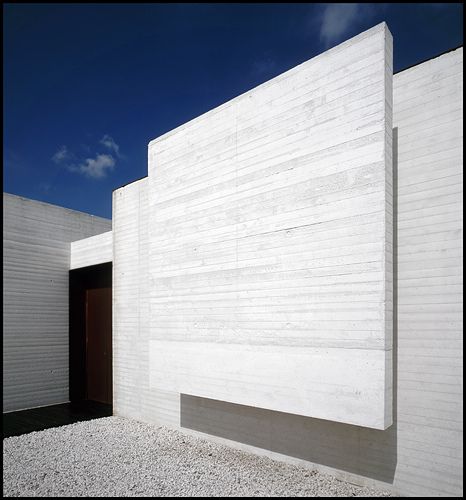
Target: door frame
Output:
[(98, 276)]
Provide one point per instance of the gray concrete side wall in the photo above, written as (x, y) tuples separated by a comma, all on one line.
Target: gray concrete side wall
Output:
[(36, 262)]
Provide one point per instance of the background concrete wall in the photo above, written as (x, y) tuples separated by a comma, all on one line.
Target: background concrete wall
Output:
[(270, 238), (91, 251), (36, 261), (428, 119), (130, 299), (421, 453)]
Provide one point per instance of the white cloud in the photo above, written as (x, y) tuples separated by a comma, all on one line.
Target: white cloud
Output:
[(97, 167), (109, 143), (61, 155), (338, 18)]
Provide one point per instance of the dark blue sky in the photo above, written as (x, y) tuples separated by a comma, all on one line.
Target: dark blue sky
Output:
[(87, 86)]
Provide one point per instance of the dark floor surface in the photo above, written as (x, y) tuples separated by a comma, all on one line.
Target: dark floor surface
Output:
[(38, 419)]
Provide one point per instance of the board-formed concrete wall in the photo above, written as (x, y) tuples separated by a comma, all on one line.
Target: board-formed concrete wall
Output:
[(36, 261), (270, 243), (421, 453), (130, 299), (428, 120)]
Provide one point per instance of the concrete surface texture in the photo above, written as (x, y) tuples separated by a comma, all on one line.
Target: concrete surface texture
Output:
[(124, 458), (421, 453), (36, 261), (428, 121), (270, 243)]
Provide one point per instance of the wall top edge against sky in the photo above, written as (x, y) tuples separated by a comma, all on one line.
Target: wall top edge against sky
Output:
[(341, 46), (31, 200)]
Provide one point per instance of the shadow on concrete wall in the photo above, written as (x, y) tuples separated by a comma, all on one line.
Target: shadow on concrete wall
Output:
[(358, 450)]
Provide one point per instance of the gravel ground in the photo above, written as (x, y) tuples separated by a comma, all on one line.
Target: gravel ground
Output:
[(119, 457)]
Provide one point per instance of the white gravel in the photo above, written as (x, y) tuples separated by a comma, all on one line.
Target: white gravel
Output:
[(119, 457)]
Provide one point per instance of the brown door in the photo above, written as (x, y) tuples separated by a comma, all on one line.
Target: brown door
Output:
[(99, 345)]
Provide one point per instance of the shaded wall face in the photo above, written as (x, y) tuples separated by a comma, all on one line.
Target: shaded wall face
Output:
[(36, 260), (421, 453)]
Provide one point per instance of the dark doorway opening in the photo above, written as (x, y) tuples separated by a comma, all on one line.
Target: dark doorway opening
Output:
[(90, 310)]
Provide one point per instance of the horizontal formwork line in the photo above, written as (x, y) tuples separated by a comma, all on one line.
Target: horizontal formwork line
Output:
[(446, 146), (429, 91), (190, 338), (424, 73), (250, 274), (234, 304), (291, 318), (418, 186), (274, 220), (209, 201), (366, 142), (411, 117), (435, 190), (259, 289), (454, 208), (285, 114), (448, 236), (162, 242), (374, 274), (428, 141), (434, 164), (431, 166), (186, 254), (194, 196), (452, 220), (297, 163), (232, 215), (339, 282), (432, 194), (337, 293), (426, 431), (257, 184), (322, 232), (253, 166), (449, 125), (243, 263), (246, 297), (287, 143), (200, 281), (307, 227), (210, 264)]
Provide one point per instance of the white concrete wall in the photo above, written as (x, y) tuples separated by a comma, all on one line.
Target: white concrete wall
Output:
[(130, 298), (428, 116), (36, 261), (270, 231), (92, 251), (421, 453)]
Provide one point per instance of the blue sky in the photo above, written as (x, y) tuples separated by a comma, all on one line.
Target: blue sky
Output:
[(87, 86)]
